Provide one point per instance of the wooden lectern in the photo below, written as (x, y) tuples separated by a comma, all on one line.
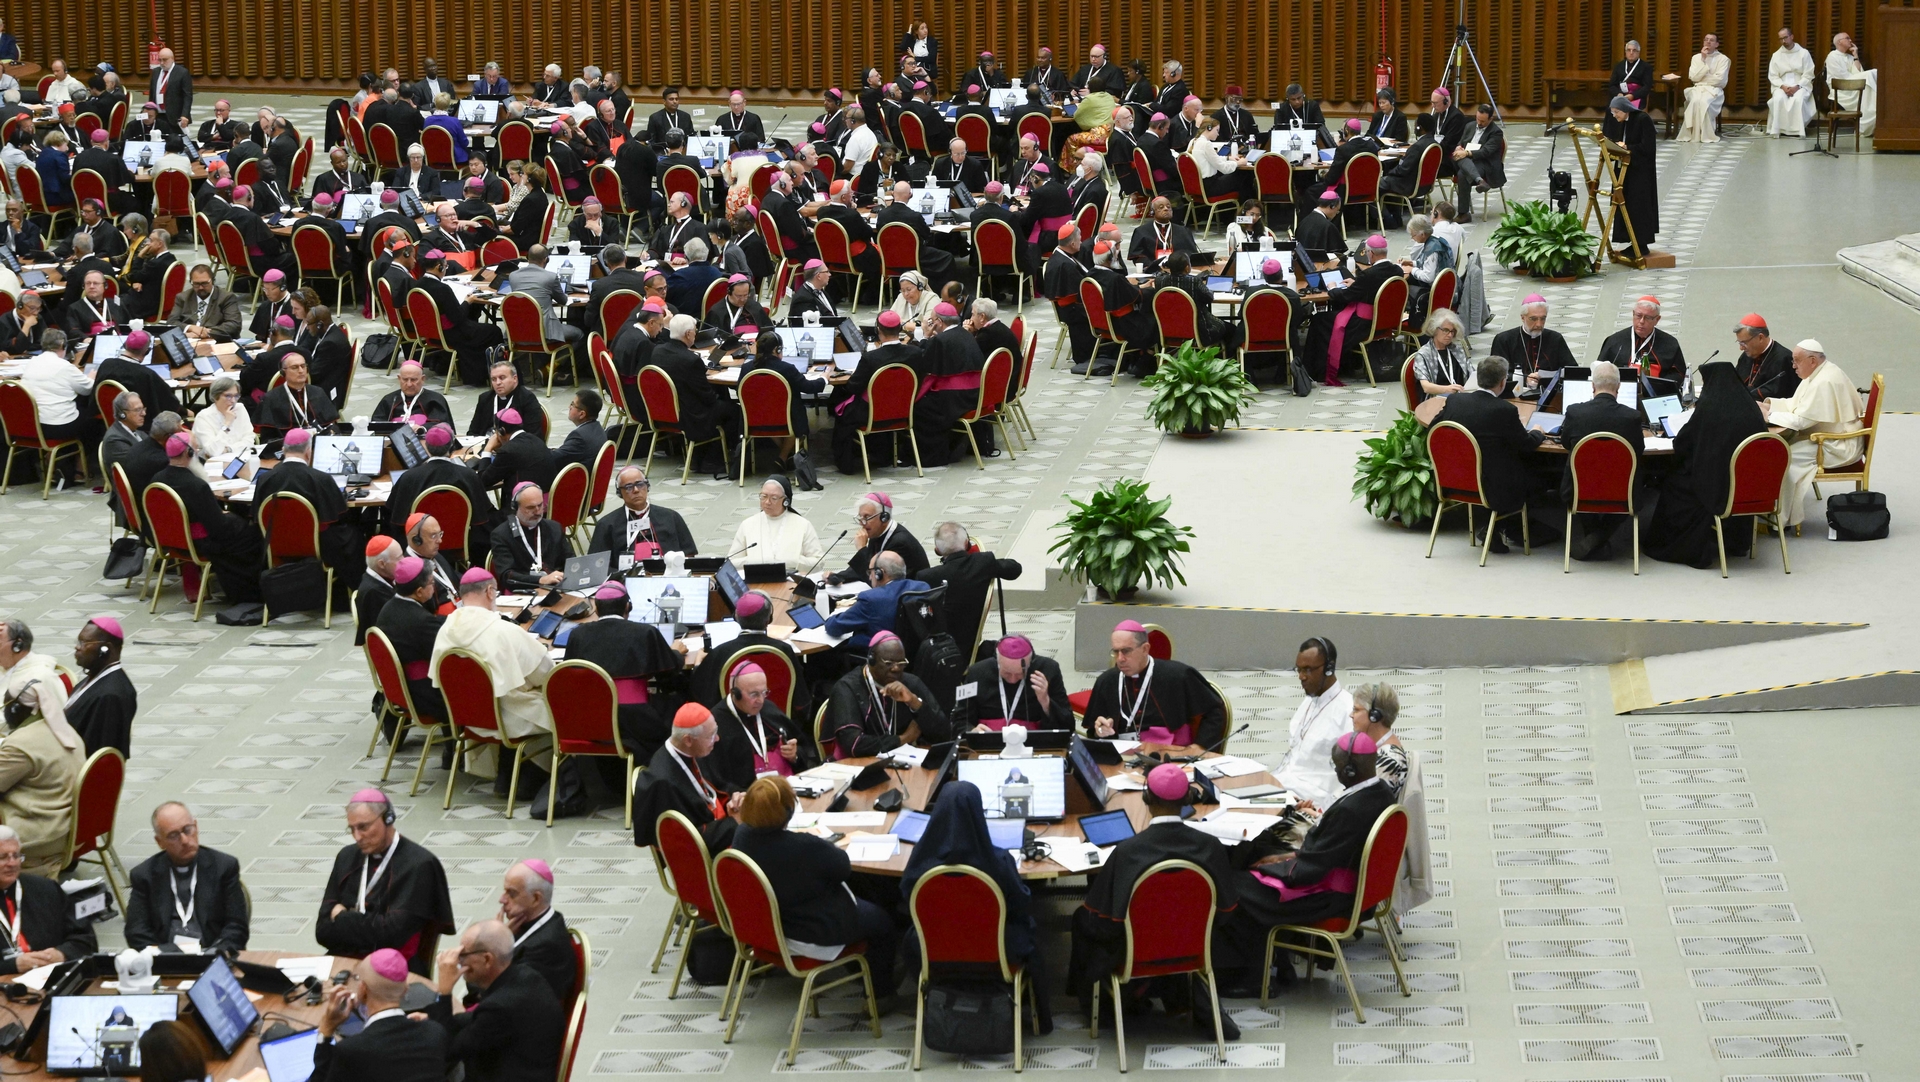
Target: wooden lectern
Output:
[(1898, 126)]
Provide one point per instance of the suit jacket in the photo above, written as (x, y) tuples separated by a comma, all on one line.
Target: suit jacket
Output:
[(808, 875), (1495, 423), (581, 445), (394, 1049), (1490, 158), (612, 281), (1601, 413), (17, 343), (1086, 191), (548, 951), (702, 408), (368, 600), (47, 920), (1319, 234), (669, 532), (179, 101), (969, 577), (512, 1034), (522, 458), (896, 539), (219, 903), (1391, 125), (548, 291)]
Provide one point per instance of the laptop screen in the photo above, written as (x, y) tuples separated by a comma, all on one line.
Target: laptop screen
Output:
[(223, 1005), (1001, 781), (73, 1033), (479, 111), (290, 1059)]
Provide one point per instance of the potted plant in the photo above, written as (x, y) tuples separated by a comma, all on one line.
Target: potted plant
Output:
[(1394, 476), (1119, 537), (1552, 243), (1197, 390)]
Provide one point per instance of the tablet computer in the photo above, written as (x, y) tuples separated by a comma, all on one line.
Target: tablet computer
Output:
[(1107, 828)]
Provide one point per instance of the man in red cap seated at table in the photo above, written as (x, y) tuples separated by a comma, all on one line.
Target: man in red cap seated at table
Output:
[(1099, 925), (392, 1046), (384, 891), (102, 705), (1167, 705), (409, 622), (1015, 685), (879, 706), (676, 779), (755, 738), (631, 653)]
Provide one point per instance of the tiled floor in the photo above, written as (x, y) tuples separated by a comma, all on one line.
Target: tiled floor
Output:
[(1619, 898)]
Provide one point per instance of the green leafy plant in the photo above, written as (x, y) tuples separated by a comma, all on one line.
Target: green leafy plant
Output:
[(1394, 476), (1197, 389), (1549, 242), (1120, 537)]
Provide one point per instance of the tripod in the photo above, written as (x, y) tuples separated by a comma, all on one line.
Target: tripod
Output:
[(1458, 57)]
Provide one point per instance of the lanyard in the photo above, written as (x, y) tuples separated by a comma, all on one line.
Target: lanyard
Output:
[(532, 928), (12, 920), (1127, 716), (193, 900), (1636, 352), (699, 783), (406, 404), (637, 525), (1006, 710), (1165, 233), (365, 883), (98, 315), (756, 733), (878, 700), (535, 548), (1307, 724), (300, 407), (733, 315)]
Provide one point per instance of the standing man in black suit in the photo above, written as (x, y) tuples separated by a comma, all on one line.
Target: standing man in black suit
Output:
[(1601, 413), (185, 897), (1505, 479), (46, 931), (540, 939), (513, 1028), (171, 88), (391, 1047)]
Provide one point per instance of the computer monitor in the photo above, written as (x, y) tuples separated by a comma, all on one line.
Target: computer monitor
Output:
[(576, 269), (940, 759), (479, 111), (73, 1032), (733, 585), (645, 593), (290, 1058), (142, 156), (178, 348), (1006, 98), (330, 453), (1034, 788), (1663, 406), (1247, 266), (1107, 828), (813, 343), (108, 345), (223, 1006), (358, 207)]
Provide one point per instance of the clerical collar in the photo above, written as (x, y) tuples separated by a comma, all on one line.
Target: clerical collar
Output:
[(86, 685)]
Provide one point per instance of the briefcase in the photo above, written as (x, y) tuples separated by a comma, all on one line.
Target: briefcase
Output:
[(1858, 516), (298, 586)]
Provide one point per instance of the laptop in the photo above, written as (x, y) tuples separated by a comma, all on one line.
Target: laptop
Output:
[(575, 269), (222, 1005), (805, 617), (1107, 828), (1657, 408), (1220, 283), (586, 572), (290, 1058), (359, 207)]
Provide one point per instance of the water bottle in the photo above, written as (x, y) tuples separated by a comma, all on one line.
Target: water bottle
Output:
[(1519, 379)]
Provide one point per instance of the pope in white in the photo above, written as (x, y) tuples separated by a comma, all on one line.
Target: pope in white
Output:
[(517, 662), (1844, 63), (1307, 771), (776, 532), (1791, 73), (1708, 74), (1822, 412)]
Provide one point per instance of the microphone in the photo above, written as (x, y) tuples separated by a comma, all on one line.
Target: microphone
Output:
[(98, 1055), (750, 544), (803, 585)]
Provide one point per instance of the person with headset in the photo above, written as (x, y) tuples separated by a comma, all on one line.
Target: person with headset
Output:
[(878, 532), (1320, 720), (776, 533), (1165, 704), (1375, 706), (102, 705), (1014, 685), (384, 891)]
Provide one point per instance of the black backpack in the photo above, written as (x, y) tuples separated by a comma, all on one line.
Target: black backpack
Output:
[(938, 661), (1858, 516)]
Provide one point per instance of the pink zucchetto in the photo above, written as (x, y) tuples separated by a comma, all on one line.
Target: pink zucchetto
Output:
[(751, 604), (388, 963), (476, 574), (1134, 626), (539, 867), (745, 668), (1014, 647), (109, 626), (1357, 743), (1167, 781)]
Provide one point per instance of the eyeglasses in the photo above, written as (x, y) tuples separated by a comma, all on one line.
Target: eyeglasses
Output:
[(191, 830), (10, 858), (636, 486), (229, 394)]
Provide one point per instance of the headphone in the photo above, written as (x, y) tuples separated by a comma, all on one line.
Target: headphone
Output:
[(1327, 652), (386, 807), (1374, 713)]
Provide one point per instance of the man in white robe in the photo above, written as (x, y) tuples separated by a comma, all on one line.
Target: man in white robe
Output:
[(1708, 74), (1327, 712), (1844, 63), (776, 532), (1790, 72), (1825, 402), (516, 660)]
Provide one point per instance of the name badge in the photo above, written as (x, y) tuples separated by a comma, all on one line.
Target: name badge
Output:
[(187, 944), (966, 691)]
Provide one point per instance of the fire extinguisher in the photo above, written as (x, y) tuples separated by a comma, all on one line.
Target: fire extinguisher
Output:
[(1383, 71), (154, 45)]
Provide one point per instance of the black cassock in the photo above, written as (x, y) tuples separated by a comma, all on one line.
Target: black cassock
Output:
[(101, 710), (412, 630), (668, 784), (629, 650), (432, 473), (341, 545), (1099, 928), (731, 764), (428, 403), (231, 544), (1643, 182), (1177, 696), (405, 905), (951, 353)]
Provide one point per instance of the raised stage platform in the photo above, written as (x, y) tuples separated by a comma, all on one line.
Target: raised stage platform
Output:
[(1282, 552)]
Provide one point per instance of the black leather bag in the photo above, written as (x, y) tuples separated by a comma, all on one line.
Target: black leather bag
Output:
[(709, 957), (1858, 516), (127, 558), (376, 350), (970, 1020), (299, 586), (1302, 383)]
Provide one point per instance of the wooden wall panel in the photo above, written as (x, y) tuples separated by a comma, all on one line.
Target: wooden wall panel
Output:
[(796, 48)]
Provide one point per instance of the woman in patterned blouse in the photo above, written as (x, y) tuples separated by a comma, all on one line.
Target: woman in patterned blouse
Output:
[(1375, 706)]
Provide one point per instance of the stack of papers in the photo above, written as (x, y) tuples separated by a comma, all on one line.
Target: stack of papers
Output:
[(1229, 766), (819, 636), (873, 849), (852, 820), (1077, 856), (319, 967), (726, 375)]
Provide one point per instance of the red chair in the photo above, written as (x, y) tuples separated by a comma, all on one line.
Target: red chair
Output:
[(777, 249), (302, 162), (172, 535), (1169, 930), (899, 253), (437, 142), (1423, 182), (1159, 648), (1273, 182), (1094, 300), (475, 716), (1373, 896), (130, 523), (993, 392), (358, 145), (117, 122), (1196, 192), (20, 416), (684, 180), (1088, 221), (782, 677), (233, 252), (563, 189), (450, 507), (429, 326), (34, 194), (88, 184), (527, 333), (515, 140), (686, 871), (602, 474), (582, 968), (616, 308), (1410, 385), (609, 379), (766, 407), (1018, 402), (836, 251), (662, 399), (1445, 285), (570, 1040), (1603, 467), (1389, 311), (390, 677), (1149, 187), (973, 128), (890, 397), (1857, 472), (292, 530), (715, 290), (762, 182), (1362, 178), (995, 249), (753, 919), (499, 250), (1456, 477), (1269, 322), (1754, 475), (86, 124), (246, 174), (172, 284), (313, 249), (961, 917), (384, 144), (586, 718), (1177, 316), (398, 319), (95, 806), (567, 498), (913, 134), (613, 197)]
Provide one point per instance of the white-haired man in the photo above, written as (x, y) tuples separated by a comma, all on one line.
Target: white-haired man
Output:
[(1823, 412), (540, 939), (1644, 346), (45, 931), (675, 779), (384, 891), (1844, 63), (1533, 347)]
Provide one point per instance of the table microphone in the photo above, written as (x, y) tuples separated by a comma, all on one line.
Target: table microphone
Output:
[(803, 585), (1215, 746), (731, 555)]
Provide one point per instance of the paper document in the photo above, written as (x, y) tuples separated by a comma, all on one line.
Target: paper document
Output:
[(1077, 856), (874, 850), (1228, 766), (851, 820), (833, 772), (1658, 443), (818, 635), (907, 755), (1227, 833), (1126, 783), (35, 978), (726, 375), (319, 967)]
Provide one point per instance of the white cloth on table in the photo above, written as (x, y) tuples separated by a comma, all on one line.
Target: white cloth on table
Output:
[(1307, 769), (789, 539), (1846, 66), (1826, 401), (1704, 98), (1789, 114)]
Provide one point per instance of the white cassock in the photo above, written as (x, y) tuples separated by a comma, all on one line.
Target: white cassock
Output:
[(518, 664), (1308, 768), (788, 539), (1788, 114), (1705, 97), (1826, 401), (1844, 66)]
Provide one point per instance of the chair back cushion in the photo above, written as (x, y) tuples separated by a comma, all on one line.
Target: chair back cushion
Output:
[(1758, 465), (1169, 920), (1456, 462), (685, 853), (1603, 466)]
